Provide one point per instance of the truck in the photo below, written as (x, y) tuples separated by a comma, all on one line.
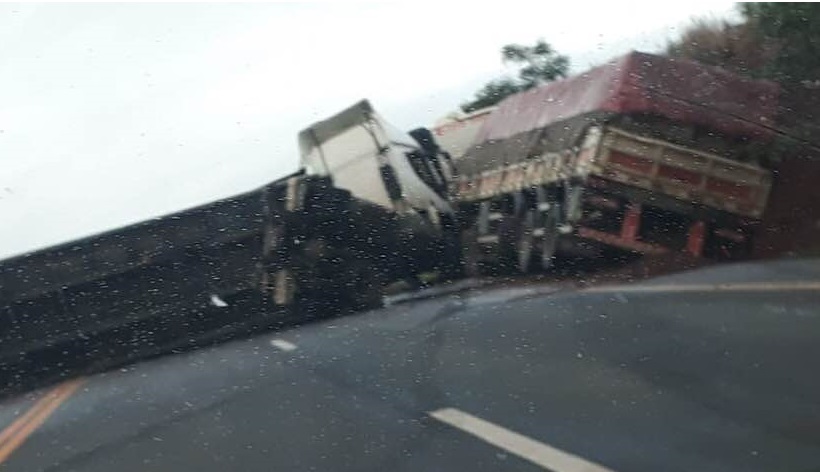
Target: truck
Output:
[(368, 206), (644, 154), (456, 133)]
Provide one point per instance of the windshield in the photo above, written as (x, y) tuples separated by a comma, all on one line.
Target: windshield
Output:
[(393, 236)]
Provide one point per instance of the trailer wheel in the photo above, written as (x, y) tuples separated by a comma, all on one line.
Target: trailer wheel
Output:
[(471, 253), (525, 243), (549, 240), (723, 249), (451, 266), (495, 253)]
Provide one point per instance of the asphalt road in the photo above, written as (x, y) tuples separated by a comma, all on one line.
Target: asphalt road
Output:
[(711, 370)]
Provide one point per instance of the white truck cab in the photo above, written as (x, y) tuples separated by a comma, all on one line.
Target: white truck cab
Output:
[(373, 160)]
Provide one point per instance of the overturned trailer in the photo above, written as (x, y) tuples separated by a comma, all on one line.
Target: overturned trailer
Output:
[(645, 154), (367, 207)]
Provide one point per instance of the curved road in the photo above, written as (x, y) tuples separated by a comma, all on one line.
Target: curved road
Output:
[(709, 370)]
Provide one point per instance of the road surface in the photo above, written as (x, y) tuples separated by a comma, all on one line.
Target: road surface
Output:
[(710, 370)]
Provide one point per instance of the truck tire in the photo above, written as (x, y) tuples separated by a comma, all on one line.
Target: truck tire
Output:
[(549, 240), (451, 260), (503, 257), (525, 243), (471, 253), (495, 256), (722, 249)]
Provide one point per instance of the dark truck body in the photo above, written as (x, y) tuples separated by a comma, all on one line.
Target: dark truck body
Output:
[(155, 277), (300, 247), (645, 153)]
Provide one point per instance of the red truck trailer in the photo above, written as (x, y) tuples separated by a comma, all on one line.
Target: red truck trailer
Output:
[(645, 153)]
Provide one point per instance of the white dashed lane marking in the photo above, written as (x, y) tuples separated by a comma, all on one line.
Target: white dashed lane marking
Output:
[(282, 344), (538, 453)]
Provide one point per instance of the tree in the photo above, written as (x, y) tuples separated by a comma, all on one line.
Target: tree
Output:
[(492, 93), (793, 28), (775, 40), (734, 46), (539, 64), (536, 65)]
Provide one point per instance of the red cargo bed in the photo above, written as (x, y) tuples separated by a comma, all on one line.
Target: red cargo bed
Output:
[(679, 90)]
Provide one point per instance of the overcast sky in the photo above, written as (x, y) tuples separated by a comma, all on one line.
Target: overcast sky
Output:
[(114, 113)]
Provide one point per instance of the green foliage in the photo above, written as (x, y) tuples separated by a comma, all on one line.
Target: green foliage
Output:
[(539, 63), (736, 47), (536, 65), (793, 28), (492, 93), (778, 41)]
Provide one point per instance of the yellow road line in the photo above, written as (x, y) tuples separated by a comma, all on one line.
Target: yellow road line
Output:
[(41, 403), (732, 287), (13, 436), (15, 426)]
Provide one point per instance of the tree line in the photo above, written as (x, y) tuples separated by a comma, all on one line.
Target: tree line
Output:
[(776, 41)]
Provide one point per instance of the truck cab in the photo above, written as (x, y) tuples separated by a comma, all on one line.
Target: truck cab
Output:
[(395, 222), (376, 162)]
